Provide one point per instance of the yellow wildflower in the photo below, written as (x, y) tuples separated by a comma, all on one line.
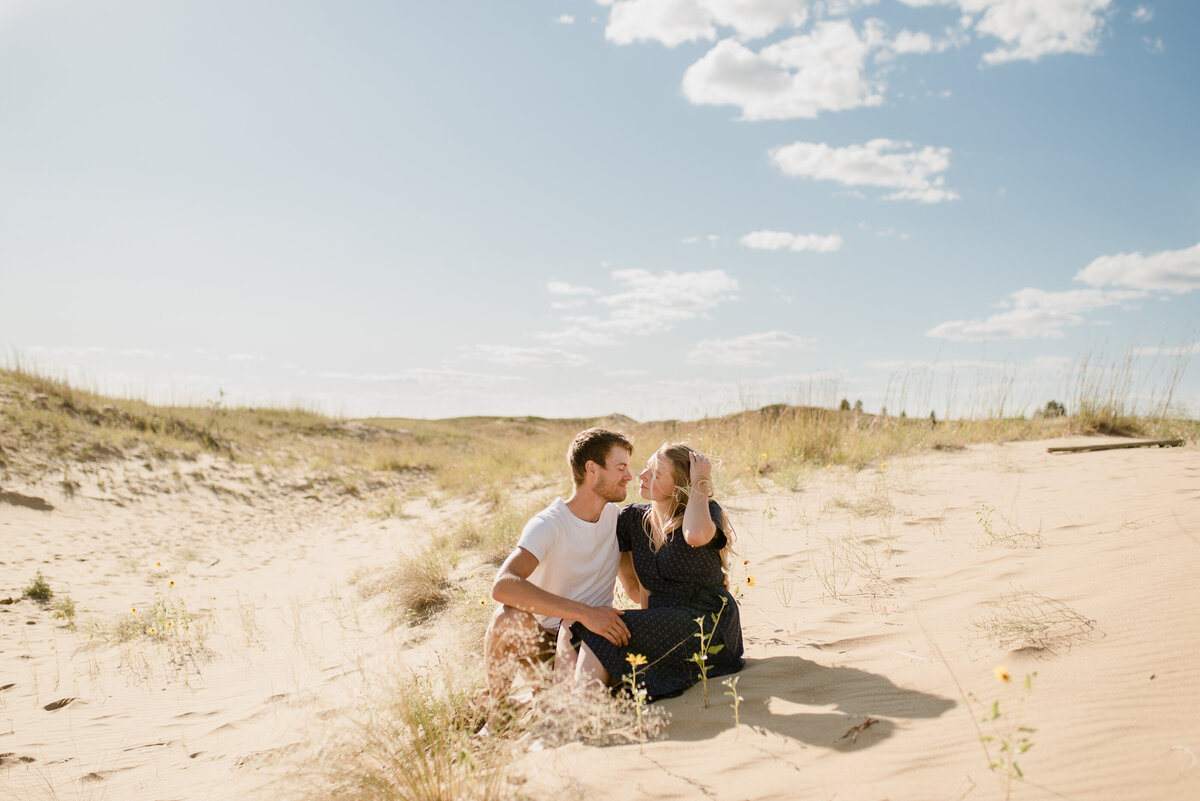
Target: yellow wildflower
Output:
[(1002, 674), (171, 583), (635, 660), (749, 579)]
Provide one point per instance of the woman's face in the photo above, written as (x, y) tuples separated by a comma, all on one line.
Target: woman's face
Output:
[(655, 482)]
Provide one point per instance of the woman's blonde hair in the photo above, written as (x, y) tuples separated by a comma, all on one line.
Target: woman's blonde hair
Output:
[(678, 456)]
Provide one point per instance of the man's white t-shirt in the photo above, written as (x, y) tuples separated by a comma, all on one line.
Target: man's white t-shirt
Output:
[(576, 559)]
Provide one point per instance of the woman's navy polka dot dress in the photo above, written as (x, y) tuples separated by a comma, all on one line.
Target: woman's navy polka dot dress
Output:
[(685, 583)]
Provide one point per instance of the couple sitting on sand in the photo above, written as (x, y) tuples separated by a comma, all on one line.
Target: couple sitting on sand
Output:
[(556, 588)]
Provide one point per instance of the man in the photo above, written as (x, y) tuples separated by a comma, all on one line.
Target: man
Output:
[(565, 564)]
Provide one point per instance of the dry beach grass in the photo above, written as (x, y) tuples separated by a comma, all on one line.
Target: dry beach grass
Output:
[(281, 604)]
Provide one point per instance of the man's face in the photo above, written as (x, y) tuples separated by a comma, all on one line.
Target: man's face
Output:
[(614, 475)]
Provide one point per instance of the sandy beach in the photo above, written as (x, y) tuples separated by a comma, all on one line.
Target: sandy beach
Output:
[(881, 607)]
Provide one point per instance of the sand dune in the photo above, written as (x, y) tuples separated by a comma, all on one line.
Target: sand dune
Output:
[(1107, 598), (882, 601)]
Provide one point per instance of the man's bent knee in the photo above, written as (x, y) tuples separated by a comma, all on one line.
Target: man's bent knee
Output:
[(513, 633)]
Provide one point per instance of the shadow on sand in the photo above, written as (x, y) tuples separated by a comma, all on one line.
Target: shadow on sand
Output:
[(779, 694)]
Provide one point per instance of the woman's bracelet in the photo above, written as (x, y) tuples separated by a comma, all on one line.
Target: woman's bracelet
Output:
[(705, 485)]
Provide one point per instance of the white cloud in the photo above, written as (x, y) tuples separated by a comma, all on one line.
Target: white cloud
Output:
[(882, 232), (1176, 271), (780, 240), (243, 357), (908, 42), (1183, 350), (565, 19), (711, 239), (914, 174), (673, 22), (648, 304), (529, 357), (422, 376), (840, 8), (915, 365), (563, 288), (1030, 29), (654, 302), (751, 349), (1142, 14), (798, 77), (1154, 45), (1033, 314)]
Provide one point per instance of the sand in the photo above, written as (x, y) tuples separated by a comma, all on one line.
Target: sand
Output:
[(886, 597)]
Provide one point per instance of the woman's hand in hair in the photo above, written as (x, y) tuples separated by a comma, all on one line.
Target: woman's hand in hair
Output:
[(701, 469)]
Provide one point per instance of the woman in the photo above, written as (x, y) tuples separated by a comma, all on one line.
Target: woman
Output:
[(675, 545)]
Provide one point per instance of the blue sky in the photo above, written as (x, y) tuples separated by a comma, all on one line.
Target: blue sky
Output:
[(558, 207)]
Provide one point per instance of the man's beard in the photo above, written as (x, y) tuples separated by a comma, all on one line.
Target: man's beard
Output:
[(612, 492)]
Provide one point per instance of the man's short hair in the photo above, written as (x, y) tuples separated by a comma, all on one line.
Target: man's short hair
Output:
[(593, 445)]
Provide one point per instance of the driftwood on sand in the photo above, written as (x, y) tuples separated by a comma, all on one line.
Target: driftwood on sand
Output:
[(1112, 446)]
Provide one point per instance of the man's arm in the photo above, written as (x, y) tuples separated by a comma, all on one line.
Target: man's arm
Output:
[(629, 580), (513, 588)]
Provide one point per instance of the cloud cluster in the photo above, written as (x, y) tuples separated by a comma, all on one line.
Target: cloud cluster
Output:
[(829, 67), (673, 22), (564, 288), (914, 174), (1033, 314), (1175, 271), (646, 303), (421, 376), (781, 240), (1183, 350), (799, 77), (745, 351), (1030, 29)]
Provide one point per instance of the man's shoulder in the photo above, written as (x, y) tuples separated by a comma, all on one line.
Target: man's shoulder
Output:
[(552, 515)]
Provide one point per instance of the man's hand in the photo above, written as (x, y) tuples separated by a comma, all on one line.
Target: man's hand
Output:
[(606, 621)]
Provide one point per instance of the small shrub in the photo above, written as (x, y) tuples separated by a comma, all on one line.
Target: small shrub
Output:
[(1054, 409), (64, 609), (1029, 621), (38, 590), (1008, 534)]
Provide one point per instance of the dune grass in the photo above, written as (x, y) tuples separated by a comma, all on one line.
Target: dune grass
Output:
[(48, 426)]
